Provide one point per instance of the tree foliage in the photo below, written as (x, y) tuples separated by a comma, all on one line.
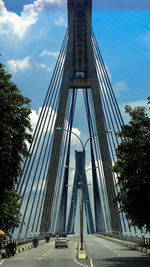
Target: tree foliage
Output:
[(10, 210), (133, 167), (14, 135)]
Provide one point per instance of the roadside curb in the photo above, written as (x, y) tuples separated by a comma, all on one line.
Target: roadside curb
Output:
[(29, 246), (126, 243), (22, 248)]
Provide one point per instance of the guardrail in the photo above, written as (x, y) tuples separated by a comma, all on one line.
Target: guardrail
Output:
[(21, 241), (142, 240), (9, 247)]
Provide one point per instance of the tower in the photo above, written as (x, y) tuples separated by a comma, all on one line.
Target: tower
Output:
[(81, 72), (77, 186)]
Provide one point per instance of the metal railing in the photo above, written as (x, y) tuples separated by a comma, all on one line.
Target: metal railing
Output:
[(140, 240), (21, 241)]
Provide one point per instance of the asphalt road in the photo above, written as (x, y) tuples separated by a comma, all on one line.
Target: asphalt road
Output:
[(45, 256), (106, 253), (100, 252)]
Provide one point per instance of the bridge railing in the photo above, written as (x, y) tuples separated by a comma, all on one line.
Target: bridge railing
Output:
[(140, 240), (21, 241)]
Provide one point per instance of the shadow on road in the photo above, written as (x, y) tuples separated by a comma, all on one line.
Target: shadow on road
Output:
[(124, 262)]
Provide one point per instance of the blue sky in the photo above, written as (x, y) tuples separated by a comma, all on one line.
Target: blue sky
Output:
[(122, 28)]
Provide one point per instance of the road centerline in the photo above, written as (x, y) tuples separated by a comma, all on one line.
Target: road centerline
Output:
[(91, 262), (80, 263)]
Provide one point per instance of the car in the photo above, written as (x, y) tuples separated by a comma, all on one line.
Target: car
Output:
[(61, 242)]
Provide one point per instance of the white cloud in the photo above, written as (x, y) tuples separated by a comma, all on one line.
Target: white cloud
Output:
[(60, 22), (120, 87), (19, 64), (138, 103), (74, 139), (48, 120), (49, 53), (11, 23), (34, 115), (43, 66), (39, 5)]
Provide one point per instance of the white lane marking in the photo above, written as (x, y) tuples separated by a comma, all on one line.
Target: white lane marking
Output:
[(1, 262), (115, 252), (80, 263), (40, 258), (91, 262), (48, 252)]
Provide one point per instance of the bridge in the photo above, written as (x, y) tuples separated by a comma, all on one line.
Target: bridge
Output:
[(60, 192), (53, 200)]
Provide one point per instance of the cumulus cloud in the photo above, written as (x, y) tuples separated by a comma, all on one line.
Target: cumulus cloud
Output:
[(74, 139), (11, 23), (19, 64), (43, 66), (120, 87), (49, 53), (48, 120), (138, 103), (60, 22), (34, 116), (39, 5)]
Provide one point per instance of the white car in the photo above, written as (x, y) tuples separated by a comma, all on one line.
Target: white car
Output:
[(61, 242)]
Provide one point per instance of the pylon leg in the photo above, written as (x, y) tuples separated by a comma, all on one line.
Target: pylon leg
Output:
[(54, 161)]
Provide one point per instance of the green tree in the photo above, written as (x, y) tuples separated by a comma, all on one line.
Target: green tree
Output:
[(10, 215), (133, 167), (15, 134)]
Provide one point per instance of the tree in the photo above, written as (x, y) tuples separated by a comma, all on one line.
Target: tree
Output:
[(10, 215), (15, 134), (133, 167)]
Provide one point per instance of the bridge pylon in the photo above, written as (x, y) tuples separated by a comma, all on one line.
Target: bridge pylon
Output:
[(83, 71)]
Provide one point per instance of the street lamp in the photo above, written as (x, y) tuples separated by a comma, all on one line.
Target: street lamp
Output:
[(82, 197), (83, 171)]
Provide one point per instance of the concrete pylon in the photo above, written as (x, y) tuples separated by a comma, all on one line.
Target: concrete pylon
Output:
[(79, 73)]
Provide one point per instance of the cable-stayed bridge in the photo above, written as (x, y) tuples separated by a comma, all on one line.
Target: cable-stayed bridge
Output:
[(45, 180)]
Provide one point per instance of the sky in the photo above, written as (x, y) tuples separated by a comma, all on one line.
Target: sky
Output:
[(31, 34)]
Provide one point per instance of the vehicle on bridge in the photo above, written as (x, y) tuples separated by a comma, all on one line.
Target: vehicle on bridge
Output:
[(61, 242)]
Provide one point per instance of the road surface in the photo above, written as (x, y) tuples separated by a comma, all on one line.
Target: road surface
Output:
[(100, 252)]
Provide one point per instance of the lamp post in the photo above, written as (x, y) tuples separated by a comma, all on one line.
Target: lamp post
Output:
[(81, 176), (82, 198)]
